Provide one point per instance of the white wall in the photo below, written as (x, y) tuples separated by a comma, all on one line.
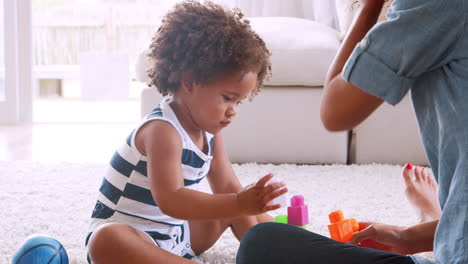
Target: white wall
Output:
[(2, 54)]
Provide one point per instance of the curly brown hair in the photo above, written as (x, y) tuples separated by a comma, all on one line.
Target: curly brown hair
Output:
[(200, 42)]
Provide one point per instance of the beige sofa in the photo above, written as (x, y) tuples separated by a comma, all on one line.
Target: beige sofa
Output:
[(282, 124), (389, 135)]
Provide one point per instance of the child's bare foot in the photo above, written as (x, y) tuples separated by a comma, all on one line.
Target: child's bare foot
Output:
[(421, 191)]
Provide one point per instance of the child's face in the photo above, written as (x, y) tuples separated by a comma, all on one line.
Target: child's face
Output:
[(215, 105)]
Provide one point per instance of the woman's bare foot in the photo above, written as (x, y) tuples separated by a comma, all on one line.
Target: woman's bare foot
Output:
[(421, 191)]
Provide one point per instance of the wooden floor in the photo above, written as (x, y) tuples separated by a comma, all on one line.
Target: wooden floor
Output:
[(62, 142)]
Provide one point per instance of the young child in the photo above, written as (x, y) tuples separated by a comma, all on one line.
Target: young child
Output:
[(206, 60)]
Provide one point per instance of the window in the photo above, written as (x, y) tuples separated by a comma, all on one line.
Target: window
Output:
[(84, 52), (2, 54)]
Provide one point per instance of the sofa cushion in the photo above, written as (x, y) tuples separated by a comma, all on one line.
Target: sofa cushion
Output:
[(302, 50)]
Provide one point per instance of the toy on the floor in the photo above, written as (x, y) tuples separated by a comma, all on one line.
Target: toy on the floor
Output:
[(41, 249), (341, 229), (298, 213), (281, 219), (282, 199)]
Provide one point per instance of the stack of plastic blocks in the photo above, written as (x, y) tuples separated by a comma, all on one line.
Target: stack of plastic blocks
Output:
[(298, 213), (341, 229)]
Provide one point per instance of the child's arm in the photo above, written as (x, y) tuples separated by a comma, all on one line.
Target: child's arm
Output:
[(161, 143), (221, 177)]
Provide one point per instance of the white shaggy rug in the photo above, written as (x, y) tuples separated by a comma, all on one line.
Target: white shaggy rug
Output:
[(57, 199)]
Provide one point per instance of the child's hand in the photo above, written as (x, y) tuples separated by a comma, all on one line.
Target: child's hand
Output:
[(254, 200)]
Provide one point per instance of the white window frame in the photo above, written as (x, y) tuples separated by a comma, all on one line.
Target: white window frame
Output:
[(18, 104)]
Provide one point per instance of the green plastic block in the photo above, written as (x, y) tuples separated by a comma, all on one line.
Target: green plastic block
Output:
[(281, 219)]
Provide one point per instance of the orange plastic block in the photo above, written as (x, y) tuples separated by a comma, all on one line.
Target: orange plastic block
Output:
[(341, 229), (355, 224), (336, 216)]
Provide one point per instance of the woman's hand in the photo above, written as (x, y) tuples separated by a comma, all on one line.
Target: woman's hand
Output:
[(382, 237), (254, 199), (396, 239)]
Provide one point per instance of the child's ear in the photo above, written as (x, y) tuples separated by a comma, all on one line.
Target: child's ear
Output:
[(187, 86)]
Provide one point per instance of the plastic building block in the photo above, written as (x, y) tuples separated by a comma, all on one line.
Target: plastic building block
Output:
[(298, 214), (336, 216), (341, 229), (281, 219), (282, 199)]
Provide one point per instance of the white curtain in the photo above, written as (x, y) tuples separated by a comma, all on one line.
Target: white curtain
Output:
[(322, 11)]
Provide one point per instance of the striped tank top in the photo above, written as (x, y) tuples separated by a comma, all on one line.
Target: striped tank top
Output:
[(125, 196)]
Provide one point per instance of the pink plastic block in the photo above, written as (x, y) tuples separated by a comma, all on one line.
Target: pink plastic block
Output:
[(298, 213)]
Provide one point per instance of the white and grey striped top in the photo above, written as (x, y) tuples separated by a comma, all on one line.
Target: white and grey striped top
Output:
[(125, 196)]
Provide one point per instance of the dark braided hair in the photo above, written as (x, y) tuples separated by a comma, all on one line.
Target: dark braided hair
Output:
[(199, 42)]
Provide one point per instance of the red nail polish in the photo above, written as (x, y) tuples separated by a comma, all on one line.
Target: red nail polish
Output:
[(409, 166)]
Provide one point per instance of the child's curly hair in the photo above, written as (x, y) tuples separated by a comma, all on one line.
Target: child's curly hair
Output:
[(201, 42)]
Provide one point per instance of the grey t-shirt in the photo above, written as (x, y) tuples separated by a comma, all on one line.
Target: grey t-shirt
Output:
[(423, 48)]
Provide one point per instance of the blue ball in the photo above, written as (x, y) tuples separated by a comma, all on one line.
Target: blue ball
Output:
[(40, 249)]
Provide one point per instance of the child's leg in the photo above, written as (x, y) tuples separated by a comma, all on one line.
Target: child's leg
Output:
[(421, 191), (120, 243), (242, 224), (204, 233)]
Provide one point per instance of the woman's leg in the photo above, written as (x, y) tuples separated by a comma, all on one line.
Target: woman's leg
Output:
[(276, 243), (120, 243)]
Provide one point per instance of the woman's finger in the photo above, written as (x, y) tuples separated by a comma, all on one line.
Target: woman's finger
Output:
[(364, 225), (367, 233)]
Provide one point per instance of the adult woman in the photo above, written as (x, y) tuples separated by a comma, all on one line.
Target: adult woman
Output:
[(423, 48)]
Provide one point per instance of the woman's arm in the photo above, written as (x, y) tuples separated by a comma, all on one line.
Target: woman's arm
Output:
[(162, 145), (397, 239), (344, 105)]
